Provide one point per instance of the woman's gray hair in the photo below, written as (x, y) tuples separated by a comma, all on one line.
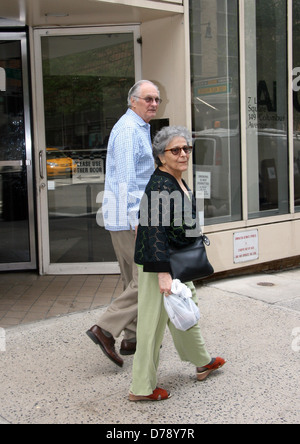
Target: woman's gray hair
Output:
[(135, 90), (165, 136)]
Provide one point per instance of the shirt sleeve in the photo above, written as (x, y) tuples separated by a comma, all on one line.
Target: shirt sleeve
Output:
[(126, 155)]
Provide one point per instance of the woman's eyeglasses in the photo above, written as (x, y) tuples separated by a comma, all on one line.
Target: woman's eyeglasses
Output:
[(176, 151)]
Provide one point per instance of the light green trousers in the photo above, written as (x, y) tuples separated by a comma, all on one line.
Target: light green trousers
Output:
[(152, 321)]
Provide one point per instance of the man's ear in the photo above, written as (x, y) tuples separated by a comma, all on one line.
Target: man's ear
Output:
[(133, 101)]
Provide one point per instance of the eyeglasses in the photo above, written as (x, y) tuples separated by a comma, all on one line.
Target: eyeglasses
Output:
[(149, 99), (176, 151)]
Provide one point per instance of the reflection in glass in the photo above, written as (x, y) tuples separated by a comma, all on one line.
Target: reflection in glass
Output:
[(14, 224), (215, 107), (86, 82), (267, 122), (296, 92)]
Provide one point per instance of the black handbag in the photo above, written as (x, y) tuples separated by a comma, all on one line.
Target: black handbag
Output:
[(191, 263)]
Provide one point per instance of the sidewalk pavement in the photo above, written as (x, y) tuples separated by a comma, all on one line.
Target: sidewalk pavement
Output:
[(51, 372)]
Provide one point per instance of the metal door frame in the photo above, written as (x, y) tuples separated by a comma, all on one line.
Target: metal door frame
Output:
[(32, 264), (45, 266)]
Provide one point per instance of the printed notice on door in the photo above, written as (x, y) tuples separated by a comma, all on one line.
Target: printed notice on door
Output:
[(89, 171), (203, 185), (246, 247)]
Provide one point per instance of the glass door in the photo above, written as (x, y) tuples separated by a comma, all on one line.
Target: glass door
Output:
[(85, 76), (17, 247)]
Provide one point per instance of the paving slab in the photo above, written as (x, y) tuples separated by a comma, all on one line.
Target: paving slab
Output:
[(279, 289)]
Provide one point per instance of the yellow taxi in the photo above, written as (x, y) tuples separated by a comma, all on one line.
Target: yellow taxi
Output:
[(59, 164)]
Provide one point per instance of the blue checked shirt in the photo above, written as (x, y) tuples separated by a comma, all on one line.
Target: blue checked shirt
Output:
[(129, 166)]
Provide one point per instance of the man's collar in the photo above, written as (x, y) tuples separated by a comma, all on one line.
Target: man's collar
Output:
[(137, 118)]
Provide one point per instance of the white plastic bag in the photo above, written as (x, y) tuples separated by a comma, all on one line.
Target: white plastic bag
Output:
[(181, 309)]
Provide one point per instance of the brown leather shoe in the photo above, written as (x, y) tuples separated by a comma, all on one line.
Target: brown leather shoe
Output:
[(107, 345), (127, 348)]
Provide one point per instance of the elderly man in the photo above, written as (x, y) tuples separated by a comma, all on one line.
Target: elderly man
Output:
[(129, 167)]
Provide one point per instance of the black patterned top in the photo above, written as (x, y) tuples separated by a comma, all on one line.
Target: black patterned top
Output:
[(166, 213)]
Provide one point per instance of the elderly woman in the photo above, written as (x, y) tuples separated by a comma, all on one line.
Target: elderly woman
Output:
[(172, 151)]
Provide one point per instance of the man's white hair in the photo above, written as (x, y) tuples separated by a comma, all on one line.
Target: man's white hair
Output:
[(135, 90)]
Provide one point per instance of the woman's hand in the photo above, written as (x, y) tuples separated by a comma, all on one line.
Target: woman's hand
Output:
[(165, 283)]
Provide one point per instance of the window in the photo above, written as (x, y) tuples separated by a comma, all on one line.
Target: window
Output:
[(296, 92), (215, 107), (267, 119)]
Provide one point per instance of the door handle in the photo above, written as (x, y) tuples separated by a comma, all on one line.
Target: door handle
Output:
[(42, 173)]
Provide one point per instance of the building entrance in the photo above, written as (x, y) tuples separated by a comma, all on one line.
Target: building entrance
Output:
[(85, 76)]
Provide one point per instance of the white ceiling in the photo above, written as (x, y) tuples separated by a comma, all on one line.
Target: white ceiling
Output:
[(82, 12)]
